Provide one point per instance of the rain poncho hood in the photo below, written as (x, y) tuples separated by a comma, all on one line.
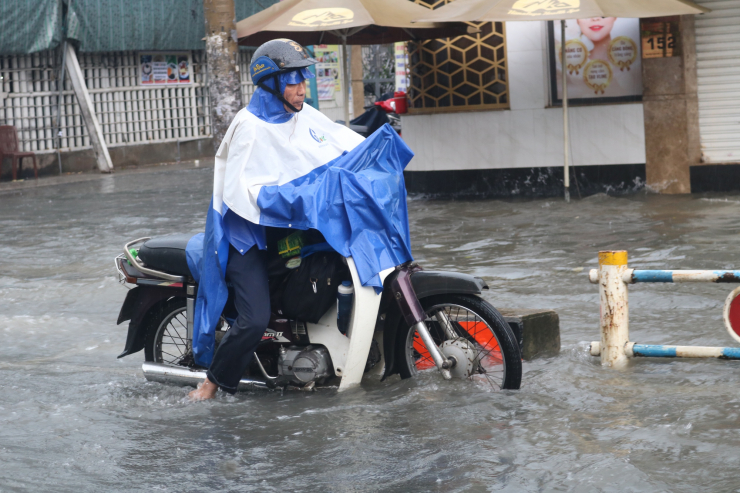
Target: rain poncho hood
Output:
[(269, 108), (301, 172)]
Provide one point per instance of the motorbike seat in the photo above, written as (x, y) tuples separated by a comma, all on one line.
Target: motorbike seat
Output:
[(167, 253)]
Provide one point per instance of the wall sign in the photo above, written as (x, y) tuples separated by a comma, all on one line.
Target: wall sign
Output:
[(401, 56), (165, 68), (328, 70), (660, 37)]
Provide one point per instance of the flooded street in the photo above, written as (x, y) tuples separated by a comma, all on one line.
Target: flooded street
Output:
[(74, 418)]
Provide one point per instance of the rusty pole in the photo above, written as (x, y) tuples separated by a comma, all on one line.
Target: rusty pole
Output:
[(224, 85), (614, 308)]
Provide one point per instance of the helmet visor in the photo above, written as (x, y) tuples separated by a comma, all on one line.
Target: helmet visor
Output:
[(294, 77), (297, 76)]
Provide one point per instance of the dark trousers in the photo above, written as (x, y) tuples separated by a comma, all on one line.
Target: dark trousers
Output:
[(248, 274)]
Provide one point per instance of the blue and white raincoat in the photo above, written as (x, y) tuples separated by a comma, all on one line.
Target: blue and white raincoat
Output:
[(301, 171)]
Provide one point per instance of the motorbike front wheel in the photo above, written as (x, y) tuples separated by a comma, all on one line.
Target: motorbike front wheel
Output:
[(476, 334)]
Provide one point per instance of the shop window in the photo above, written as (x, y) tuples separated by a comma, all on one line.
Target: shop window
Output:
[(459, 74)]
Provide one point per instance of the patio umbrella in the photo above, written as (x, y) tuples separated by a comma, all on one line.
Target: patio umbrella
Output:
[(312, 22), (542, 10), (554, 10)]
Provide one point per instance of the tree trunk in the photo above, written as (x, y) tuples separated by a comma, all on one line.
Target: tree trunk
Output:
[(224, 86)]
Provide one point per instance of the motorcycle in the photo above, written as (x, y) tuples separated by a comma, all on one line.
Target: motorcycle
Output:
[(386, 109), (422, 320)]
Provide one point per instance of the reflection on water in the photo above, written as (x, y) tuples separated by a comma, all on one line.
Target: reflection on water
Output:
[(74, 418)]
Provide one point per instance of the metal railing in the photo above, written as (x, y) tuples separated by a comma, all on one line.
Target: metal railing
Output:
[(128, 113), (613, 276)]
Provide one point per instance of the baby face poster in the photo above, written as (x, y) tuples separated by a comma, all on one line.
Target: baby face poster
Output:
[(164, 68), (602, 59)]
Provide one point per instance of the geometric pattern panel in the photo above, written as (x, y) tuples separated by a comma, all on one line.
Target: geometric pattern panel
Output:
[(457, 74)]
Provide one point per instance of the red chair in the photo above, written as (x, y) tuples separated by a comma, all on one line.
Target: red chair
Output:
[(9, 148)]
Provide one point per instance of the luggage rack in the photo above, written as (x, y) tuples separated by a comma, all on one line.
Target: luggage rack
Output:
[(140, 266)]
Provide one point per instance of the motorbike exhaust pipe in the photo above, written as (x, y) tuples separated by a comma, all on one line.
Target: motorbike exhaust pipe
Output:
[(157, 372)]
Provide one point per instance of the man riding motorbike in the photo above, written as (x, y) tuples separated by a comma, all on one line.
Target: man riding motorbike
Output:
[(279, 69), (283, 164)]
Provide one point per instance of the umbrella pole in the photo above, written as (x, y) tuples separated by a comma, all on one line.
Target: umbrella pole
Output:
[(345, 76), (566, 138)]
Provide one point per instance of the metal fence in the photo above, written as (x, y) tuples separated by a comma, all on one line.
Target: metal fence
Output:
[(379, 71), (128, 113)]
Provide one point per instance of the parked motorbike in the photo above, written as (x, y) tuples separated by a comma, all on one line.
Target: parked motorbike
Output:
[(422, 321), (385, 110)]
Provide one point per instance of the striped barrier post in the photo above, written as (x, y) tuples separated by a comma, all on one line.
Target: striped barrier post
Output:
[(613, 276)]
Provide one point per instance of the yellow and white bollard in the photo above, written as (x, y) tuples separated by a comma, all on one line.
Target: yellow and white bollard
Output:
[(614, 308)]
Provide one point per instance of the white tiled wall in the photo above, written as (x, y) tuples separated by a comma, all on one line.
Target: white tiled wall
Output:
[(529, 134)]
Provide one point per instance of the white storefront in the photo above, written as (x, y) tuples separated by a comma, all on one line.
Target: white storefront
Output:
[(718, 73), (530, 133)]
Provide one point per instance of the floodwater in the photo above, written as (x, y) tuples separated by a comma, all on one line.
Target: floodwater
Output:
[(74, 418)]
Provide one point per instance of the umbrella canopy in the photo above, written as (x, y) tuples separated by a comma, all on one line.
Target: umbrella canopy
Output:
[(543, 10), (358, 22), (312, 22)]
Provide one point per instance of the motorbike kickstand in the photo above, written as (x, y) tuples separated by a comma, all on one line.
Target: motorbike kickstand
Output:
[(271, 382)]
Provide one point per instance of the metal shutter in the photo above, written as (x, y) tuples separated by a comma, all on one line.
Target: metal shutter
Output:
[(718, 70)]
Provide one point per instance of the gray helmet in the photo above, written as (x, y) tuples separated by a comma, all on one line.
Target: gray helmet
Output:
[(278, 56)]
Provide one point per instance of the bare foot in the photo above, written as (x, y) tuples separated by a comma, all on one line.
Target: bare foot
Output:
[(206, 390)]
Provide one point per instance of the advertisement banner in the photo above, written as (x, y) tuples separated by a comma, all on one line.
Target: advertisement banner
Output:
[(401, 55), (165, 68), (328, 70), (603, 60)]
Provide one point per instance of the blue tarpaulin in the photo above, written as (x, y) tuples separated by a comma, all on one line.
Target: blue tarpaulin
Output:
[(357, 201), (29, 26), (96, 26), (115, 25)]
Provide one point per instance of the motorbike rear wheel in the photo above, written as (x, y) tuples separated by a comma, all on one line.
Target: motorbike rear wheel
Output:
[(476, 327), (167, 335)]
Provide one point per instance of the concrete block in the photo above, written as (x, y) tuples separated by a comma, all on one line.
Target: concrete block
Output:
[(538, 331), (123, 157)]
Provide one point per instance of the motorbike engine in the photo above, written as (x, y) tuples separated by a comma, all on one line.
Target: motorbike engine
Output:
[(301, 365)]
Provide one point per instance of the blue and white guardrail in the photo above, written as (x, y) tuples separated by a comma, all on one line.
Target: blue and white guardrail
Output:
[(613, 276), (634, 276)]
